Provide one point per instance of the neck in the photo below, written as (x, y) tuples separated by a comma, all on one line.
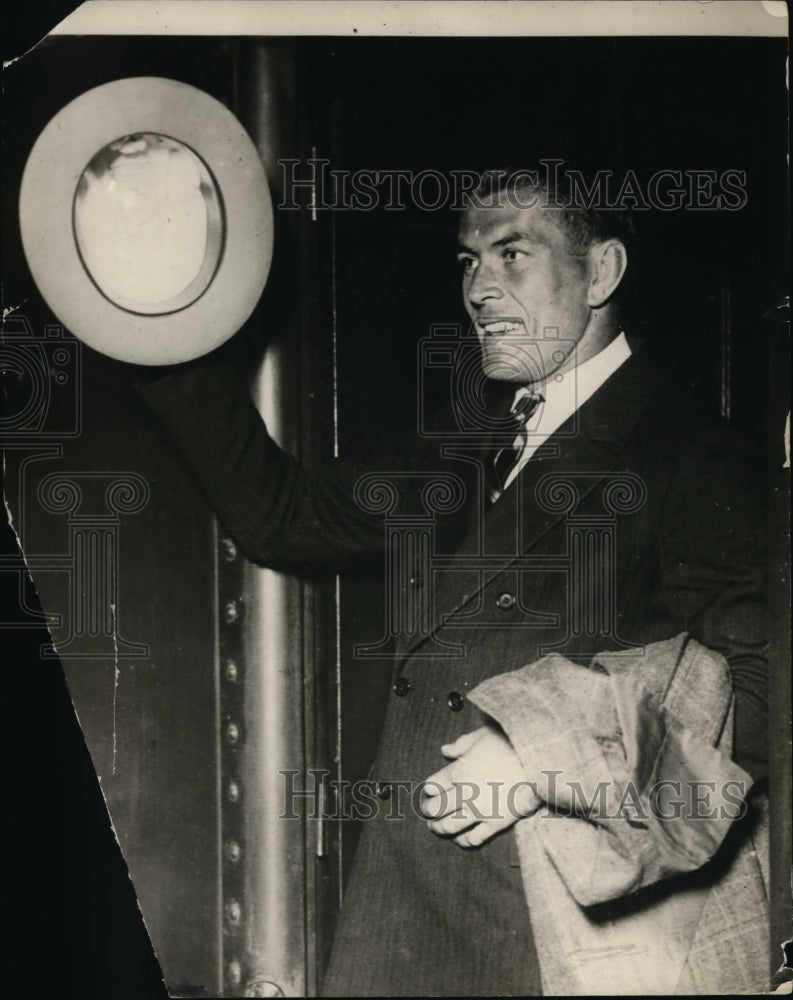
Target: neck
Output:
[(600, 331)]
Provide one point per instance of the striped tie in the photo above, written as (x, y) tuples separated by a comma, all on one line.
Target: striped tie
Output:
[(503, 459)]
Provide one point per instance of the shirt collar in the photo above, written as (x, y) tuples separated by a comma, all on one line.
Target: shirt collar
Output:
[(567, 391)]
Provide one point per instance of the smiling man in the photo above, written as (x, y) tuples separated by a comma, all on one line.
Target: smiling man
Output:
[(437, 900), (524, 275), (527, 273)]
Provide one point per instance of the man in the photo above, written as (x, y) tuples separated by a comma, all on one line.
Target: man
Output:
[(435, 903)]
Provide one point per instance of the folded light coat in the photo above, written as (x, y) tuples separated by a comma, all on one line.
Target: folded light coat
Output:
[(621, 899)]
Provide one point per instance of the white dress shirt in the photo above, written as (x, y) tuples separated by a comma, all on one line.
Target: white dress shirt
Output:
[(564, 394)]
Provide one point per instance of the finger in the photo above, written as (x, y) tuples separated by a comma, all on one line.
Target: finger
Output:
[(438, 806), (452, 824), (480, 833), (474, 836), (463, 743), (439, 783), (526, 801)]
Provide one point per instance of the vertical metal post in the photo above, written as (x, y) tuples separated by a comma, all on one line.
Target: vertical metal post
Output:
[(266, 729)]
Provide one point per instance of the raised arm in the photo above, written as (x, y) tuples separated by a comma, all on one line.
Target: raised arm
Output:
[(279, 514)]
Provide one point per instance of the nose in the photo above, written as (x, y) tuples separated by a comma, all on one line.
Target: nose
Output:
[(482, 286)]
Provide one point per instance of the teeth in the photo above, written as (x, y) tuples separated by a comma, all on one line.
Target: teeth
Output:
[(499, 327)]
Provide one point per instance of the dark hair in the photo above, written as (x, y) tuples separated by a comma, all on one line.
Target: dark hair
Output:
[(583, 222)]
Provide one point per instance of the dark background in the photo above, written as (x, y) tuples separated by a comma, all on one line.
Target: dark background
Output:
[(643, 104), (76, 928)]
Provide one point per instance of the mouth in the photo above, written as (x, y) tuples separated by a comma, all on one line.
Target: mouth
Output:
[(499, 327)]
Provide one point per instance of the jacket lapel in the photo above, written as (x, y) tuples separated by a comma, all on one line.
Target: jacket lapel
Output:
[(585, 449)]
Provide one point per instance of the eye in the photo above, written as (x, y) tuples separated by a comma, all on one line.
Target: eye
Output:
[(512, 255), (467, 264)]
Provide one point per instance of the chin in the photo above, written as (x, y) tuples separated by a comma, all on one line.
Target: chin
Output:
[(522, 366)]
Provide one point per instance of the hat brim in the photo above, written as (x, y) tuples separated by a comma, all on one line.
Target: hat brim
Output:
[(46, 205)]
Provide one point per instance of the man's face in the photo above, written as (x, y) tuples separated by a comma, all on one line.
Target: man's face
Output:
[(525, 291)]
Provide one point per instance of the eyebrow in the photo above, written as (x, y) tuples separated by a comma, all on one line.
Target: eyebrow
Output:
[(520, 236), (516, 236)]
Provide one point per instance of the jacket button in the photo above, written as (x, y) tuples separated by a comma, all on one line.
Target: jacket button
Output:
[(505, 601), (416, 580), (401, 686), (455, 701), (383, 789)]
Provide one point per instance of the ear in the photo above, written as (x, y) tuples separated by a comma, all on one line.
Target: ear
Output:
[(608, 261)]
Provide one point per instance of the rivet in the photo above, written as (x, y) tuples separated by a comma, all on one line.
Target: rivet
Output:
[(233, 791), (230, 612), (231, 671), (228, 549), (234, 911), (263, 988), (233, 851), (232, 733)]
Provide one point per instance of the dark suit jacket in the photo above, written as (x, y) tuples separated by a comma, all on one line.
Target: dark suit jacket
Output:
[(639, 519)]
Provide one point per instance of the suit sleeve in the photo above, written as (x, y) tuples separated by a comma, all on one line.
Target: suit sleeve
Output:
[(279, 514), (713, 565)]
